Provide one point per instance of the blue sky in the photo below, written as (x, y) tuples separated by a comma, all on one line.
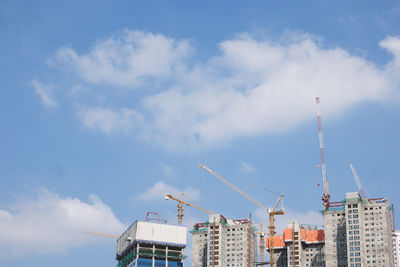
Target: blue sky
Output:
[(105, 106)]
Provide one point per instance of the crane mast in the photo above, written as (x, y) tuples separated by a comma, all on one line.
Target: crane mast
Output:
[(262, 244), (271, 212), (325, 197)]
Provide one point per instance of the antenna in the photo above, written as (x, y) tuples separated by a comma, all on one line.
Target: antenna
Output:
[(325, 196)]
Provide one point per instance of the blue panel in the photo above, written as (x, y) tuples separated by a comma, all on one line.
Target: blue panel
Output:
[(144, 262), (175, 264), (159, 263)]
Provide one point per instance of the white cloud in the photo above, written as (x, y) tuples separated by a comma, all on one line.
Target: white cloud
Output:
[(52, 224), (247, 167), (109, 121), (159, 189), (254, 87), (127, 59), (264, 88), (392, 44), (43, 91), (392, 71)]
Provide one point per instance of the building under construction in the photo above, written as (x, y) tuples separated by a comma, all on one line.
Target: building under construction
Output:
[(299, 245), (224, 243), (359, 232), (396, 247), (151, 244)]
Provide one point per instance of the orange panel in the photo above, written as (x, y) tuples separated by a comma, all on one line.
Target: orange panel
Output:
[(309, 236), (278, 242), (287, 234), (303, 234), (321, 235), (314, 236)]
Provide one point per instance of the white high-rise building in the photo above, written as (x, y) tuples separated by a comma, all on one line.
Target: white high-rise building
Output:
[(396, 248), (222, 242), (358, 233)]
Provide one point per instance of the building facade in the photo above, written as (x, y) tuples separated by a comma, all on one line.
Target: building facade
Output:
[(152, 245), (299, 245), (396, 247), (222, 242), (358, 233)]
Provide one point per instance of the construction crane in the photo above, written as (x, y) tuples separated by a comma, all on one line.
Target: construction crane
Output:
[(101, 234), (326, 196), (271, 212), (271, 228), (359, 185), (180, 206), (262, 244)]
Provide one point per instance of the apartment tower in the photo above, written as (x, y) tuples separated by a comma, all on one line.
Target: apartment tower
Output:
[(299, 245), (223, 242), (358, 232)]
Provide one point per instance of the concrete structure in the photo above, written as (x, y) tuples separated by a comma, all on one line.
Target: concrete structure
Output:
[(224, 243), (151, 244), (396, 248), (358, 232), (299, 245)]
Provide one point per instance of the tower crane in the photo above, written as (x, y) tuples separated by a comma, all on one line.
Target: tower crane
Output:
[(359, 185), (326, 196), (180, 206), (271, 212)]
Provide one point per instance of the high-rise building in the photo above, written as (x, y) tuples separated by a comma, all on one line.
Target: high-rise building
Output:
[(152, 245), (299, 245), (223, 242), (396, 248), (358, 232)]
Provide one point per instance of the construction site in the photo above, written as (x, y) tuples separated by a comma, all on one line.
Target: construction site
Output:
[(358, 231)]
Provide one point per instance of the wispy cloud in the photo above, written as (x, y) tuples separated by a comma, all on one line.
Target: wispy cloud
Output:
[(49, 223), (43, 91), (247, 167), (253, 87), (168, 170), (108, 121), (159, 189)]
